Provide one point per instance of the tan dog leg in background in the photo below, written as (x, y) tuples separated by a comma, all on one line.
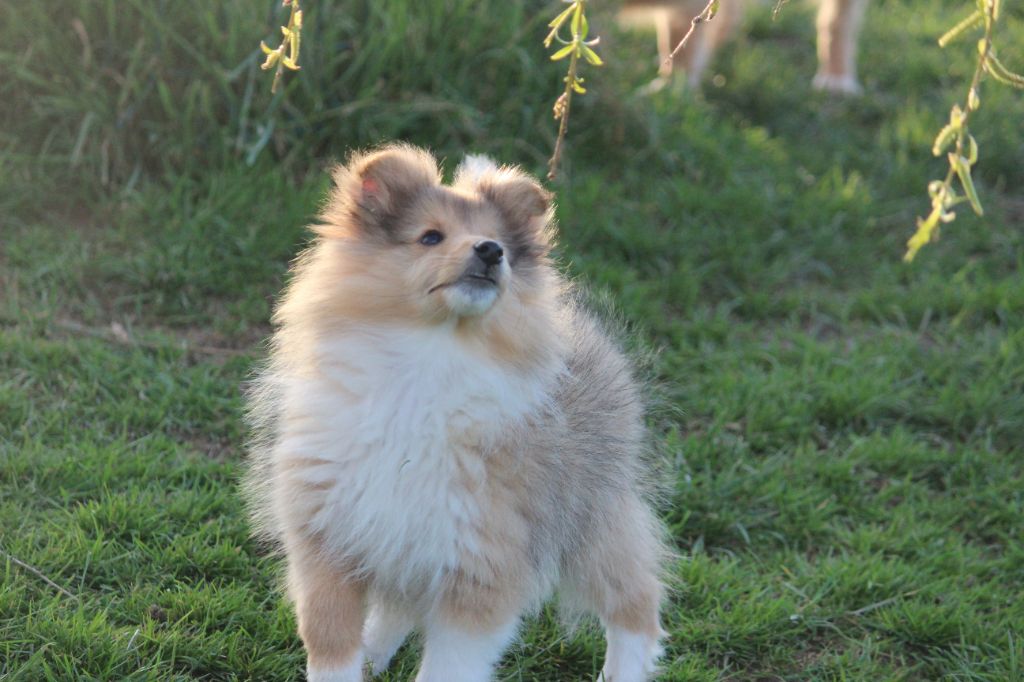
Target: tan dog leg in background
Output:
[(839, 23), (671, 20)]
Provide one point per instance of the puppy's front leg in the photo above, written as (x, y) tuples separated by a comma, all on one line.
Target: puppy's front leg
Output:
[(386, 628), (329, 605), (476, 618), (457, 652)]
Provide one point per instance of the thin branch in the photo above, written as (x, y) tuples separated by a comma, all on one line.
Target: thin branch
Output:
[(706, 14), (564, 102), (290, 44), (36, 572), (944, 196), (576, 48), (778, 8)]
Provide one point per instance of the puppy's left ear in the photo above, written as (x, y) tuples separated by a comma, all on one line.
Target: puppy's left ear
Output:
[(375, 188), (526, 209)]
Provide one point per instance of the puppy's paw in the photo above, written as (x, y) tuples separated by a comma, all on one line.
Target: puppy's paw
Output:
[(348, 672), (630, 656), (378, 661), (383, 633)]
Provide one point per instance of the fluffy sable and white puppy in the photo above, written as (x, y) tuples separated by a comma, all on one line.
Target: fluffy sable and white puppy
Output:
[(444, 438)]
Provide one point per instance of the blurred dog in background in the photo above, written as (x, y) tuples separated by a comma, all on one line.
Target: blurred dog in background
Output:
[(838, 24)]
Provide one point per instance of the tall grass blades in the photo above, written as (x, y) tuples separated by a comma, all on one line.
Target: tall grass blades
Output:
[(113, 90)]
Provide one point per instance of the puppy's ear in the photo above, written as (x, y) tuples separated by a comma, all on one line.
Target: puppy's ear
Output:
[(375, 188), (525, 207)]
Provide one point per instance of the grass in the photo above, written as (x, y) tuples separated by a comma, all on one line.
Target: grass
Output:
[(842, 432)]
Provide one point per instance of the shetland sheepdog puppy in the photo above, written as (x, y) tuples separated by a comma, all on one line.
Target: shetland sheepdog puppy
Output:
[(444, 437)]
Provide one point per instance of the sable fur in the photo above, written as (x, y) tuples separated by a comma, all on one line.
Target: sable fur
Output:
[(442, 453)]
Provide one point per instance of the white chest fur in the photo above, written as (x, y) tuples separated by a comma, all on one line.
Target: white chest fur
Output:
[(388, 445)]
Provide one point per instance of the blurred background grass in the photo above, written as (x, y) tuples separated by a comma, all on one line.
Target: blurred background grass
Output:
[(131, 89), (156, 112), (844, 431)]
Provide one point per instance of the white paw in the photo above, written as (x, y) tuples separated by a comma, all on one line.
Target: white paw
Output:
[(349, 672), (378, 661), (383, 633), (845, 84), (630, 657), (458, 655)]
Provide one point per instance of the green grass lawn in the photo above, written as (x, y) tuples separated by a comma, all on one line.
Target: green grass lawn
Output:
[(842, 434)]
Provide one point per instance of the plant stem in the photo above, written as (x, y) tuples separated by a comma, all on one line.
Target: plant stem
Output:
[(947, 183), (563, 125), (705, 14)]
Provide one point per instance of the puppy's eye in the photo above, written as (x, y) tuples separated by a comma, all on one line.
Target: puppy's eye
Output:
[(431, 238)]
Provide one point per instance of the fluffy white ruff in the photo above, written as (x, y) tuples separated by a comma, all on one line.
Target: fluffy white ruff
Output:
[(631, 656), (350, 672), (392, 431)]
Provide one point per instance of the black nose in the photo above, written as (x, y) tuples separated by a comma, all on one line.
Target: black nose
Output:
[(489, 252)]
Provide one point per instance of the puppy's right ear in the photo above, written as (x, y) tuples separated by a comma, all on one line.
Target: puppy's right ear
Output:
[(373, 190)]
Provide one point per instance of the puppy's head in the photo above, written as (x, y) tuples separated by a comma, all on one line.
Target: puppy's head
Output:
[(417, 248)]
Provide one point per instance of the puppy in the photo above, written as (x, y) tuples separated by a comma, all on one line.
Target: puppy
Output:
[(838, 25), (444, 437)]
